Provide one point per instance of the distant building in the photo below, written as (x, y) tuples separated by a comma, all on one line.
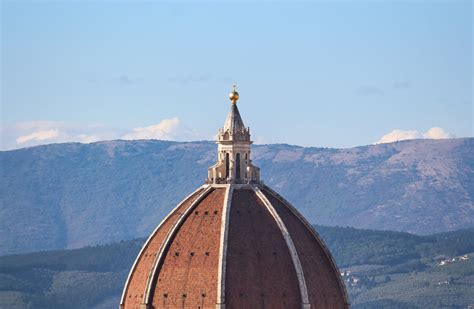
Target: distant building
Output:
[(234, 243), (454, 259), (354, 281)]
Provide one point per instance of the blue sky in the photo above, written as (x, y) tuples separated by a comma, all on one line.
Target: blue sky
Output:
[(324, 73)]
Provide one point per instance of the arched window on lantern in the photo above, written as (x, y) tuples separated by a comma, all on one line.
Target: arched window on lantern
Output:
[(237, 166), (227, 163)]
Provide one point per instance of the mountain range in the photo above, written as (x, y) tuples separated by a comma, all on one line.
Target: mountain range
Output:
[(72, 195)]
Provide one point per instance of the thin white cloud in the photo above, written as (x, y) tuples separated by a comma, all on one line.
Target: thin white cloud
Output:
[(86, 138), (33, 133), (400, 135), (168, 129), (437, 133), (38, 136)]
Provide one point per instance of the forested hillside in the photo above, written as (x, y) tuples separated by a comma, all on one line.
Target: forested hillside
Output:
[(381, 270)]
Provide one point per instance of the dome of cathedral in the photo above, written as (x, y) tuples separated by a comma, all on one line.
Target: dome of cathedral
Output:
[(234, 243)]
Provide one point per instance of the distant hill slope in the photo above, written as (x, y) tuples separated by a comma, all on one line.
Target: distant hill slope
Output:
[(380, 267), (72, 195)]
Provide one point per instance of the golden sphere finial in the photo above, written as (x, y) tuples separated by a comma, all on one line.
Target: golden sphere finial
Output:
[(234, 95)]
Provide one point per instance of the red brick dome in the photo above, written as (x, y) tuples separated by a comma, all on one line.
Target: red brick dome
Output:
[(234, 243)]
